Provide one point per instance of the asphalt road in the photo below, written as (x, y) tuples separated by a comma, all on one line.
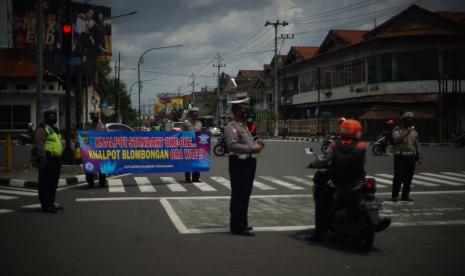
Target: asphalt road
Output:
[(158, 225)]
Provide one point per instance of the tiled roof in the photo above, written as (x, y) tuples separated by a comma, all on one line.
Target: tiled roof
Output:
[(15, 66), (419, 32), (305, 52), (350, 36), (458, 17), (249, 72)]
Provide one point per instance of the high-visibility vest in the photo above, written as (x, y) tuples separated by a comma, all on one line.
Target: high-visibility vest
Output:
[(53, 142)]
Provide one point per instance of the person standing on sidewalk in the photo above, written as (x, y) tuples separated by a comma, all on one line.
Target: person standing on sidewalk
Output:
[(49, 149), (192, 124), (406, 155), (96, 125), (242, 165)]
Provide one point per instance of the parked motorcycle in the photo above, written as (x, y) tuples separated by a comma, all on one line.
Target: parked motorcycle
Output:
[(354, 211), (326, 142), (27, 138), (382, 145), (220, 149), (460, 141)]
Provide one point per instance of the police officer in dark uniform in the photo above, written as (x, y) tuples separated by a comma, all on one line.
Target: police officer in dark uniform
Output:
[(96, 125), (242, 165), (192, 124), (406, 155), (49, 148)]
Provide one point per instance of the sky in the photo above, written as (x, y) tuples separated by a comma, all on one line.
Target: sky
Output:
[(235, 29)]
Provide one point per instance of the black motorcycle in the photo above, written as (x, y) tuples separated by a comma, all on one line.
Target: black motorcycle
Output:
[(460, 141), (27, 138), (354, 211), (326, 142), (220, 149), (382, 145)]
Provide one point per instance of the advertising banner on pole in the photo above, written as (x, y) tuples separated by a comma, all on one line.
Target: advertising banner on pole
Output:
[(115, 152)]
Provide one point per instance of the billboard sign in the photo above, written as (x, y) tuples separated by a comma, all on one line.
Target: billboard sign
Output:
[(91, 27)]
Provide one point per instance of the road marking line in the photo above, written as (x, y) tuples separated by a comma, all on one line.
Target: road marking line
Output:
[(72, 186), (96, 199), (414, 181), (281, 183), (174, 217), (15, 192), (5, 211), (204, 187), (32, 206), (5, 197), (17, 183), (299, 180), (223, 181), (438, 180), (309, 176), (454, 174), (262, 186), (444, 176), (173, 185), (115, 186), (144, 184)]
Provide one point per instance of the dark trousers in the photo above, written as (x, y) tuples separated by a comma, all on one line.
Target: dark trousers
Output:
[(102, 178), (242, 174), (404, 169), (322, 196), (48, 181), (195, 176)]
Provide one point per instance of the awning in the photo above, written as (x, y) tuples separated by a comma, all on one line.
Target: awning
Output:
[(395, 114)]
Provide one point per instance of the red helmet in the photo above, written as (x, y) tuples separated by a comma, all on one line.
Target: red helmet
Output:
[(341, 120), (390, 122), (350, 128)]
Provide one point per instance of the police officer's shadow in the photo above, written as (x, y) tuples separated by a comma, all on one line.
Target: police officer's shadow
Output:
[(332, 242)]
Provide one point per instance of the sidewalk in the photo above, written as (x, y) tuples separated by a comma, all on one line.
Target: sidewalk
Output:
[(27, 178)]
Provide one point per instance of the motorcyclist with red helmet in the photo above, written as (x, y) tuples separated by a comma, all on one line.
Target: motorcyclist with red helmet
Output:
[(350, 134)]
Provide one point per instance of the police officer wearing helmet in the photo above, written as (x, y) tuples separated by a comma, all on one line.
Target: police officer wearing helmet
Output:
[(192, 124), (96, 125), (49, 149), (242, 165), (406, 155)]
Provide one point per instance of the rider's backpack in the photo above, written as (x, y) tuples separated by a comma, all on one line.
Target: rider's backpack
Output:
[(346, 163)]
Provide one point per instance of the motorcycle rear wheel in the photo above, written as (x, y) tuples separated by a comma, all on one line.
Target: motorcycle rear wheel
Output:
[(218, 150), (377, 150)]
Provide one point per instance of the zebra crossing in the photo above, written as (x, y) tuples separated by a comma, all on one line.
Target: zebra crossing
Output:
[(8, 194), (274, 183)]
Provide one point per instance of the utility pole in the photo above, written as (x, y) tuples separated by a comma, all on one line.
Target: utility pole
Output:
[(276, 103), (118, 111), (193, 84), (219, 65), (39, 61)]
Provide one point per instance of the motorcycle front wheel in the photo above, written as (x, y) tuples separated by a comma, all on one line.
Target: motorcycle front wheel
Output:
[(365, 238), (218, 150), (377, 150)]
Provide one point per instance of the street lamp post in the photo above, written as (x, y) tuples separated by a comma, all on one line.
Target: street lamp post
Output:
[(138, 71)]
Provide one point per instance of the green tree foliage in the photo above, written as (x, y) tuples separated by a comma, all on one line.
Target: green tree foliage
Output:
[(106, 90)]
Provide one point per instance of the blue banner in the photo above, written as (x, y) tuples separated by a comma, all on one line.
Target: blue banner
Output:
[(115, 152)]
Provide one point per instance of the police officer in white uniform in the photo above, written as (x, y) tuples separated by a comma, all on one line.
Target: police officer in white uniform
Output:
[(242, 165)]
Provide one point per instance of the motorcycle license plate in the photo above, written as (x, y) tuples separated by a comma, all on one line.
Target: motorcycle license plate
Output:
[(371, 205)]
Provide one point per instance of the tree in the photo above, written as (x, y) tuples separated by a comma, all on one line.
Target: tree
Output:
[(106, 89)]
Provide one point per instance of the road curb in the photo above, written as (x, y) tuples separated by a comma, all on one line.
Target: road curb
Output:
[(20, 183)]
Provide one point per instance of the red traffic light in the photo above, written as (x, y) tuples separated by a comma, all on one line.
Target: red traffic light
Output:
[(67, 29)]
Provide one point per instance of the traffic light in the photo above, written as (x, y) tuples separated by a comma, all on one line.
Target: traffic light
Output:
[(67, 38)]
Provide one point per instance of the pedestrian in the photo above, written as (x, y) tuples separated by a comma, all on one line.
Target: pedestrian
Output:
[(406, 156), (96, 125), (192, 124), (49, 150), (242, 165)]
